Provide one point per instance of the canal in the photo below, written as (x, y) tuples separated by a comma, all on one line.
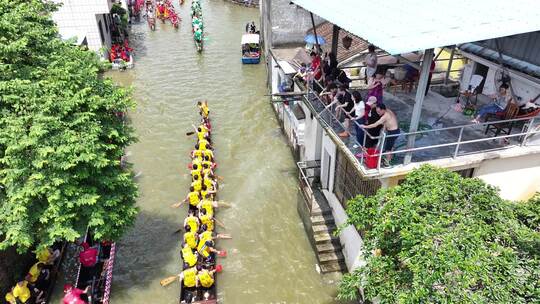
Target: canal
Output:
[(270, 259)]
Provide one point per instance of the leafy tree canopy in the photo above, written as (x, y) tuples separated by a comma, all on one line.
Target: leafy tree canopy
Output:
[(60, 139), (441, 238)]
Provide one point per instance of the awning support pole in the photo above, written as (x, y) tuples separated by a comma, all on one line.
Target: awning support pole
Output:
[(447, 76), (315, 32), (419, 100), (335, 39)]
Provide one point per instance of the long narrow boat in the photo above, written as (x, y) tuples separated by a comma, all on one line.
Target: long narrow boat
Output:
[(98, 277), (201, 295), (197, 24)]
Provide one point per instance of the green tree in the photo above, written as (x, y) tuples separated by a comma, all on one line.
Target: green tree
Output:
[(441, 238), (60, 138)]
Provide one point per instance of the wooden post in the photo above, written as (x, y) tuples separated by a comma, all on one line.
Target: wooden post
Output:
[(315, 33), (335, 39), (447, 76)]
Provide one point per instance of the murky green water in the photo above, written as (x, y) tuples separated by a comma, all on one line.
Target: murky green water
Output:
[(270, 259)]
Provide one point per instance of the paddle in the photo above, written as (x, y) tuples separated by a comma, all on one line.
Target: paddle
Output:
[(176, 205), (168, 280), (220, 223), (190, 133), (222, 253), (219, 268)]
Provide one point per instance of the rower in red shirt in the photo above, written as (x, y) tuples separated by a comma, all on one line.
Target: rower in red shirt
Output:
[(89, 256), (73, 295)]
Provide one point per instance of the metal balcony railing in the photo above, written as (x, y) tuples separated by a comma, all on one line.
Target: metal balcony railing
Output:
[(446, 142)]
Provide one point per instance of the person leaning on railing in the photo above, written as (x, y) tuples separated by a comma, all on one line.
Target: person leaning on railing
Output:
[(390, 123)]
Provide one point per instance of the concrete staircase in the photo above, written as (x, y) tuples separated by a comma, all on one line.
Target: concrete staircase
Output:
[(327, 246)]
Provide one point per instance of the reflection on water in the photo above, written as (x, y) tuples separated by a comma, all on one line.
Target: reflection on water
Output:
[(270, 259)]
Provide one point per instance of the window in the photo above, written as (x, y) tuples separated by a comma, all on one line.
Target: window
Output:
[(348, 183), (101, 32)]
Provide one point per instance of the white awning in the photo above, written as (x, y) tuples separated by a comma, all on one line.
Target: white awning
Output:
[(399, 26), (250, 38)]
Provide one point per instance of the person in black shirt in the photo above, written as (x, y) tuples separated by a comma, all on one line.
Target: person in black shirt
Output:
[(373, 117)]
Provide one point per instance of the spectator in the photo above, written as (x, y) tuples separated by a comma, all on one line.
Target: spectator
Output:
[(376, 85), (73, 294), (330, 63), (359, 115), (372, 117), (316, 65), (499, 102), (390, 123), (371, 62)]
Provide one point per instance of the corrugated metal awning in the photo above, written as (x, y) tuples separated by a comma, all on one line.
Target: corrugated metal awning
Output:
[(399, 26)]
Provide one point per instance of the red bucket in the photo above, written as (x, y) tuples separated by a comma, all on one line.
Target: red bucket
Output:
[(371, 158)]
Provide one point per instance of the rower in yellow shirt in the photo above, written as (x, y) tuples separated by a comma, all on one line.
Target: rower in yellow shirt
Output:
[(190, 237), (189, 277), (195, 172), (21, 292), (189, 258), (192, 221), (34, 272), (205, 278), (193, 197), (196, 184)]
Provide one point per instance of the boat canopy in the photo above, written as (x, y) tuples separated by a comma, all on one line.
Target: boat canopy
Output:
[(250, 38)]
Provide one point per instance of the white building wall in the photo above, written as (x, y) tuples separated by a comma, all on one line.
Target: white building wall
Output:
[(523, 87), (80, 17), (328, 162), (517, 178)]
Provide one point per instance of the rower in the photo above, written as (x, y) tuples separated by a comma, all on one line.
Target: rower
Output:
[(188, 256), (190, 237), (207, 161), (193, 198), (21, 292), (189, 276), (205, 192), (205, 278), (206, 219), (47, 255), (197, 153), (197, 183), (35, 271), (195, 172), (207, 170), (192, 221), (205, 248), (209, 183), (204, 110), (204, 144), (209, 154)]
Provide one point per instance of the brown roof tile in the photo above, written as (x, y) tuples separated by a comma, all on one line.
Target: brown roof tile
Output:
[(358, 45)]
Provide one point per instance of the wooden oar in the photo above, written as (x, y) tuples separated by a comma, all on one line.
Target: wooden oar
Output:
[(219, 268), (219, 223), (190, 133), (178, 231), (168, 280), (176, 205)]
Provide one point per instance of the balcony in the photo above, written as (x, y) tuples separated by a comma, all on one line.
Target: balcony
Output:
[(446, 137)]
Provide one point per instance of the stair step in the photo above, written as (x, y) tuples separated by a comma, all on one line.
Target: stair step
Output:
[(327, 247), (333, 267), (318, 229), (321, 212), (324, 238), (320, 219), (325, 258)]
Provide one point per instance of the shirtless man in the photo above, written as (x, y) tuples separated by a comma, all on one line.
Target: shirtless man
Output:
[(390, 123)]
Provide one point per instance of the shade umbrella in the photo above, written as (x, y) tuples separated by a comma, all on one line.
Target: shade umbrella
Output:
[(310, 39)]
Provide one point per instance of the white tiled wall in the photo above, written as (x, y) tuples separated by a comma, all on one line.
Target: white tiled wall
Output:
[(80, 17)]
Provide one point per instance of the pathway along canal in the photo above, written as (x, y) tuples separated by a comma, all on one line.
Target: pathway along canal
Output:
[(270, 259)]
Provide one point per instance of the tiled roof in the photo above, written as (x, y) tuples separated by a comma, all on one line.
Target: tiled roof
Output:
[(358, 45)]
